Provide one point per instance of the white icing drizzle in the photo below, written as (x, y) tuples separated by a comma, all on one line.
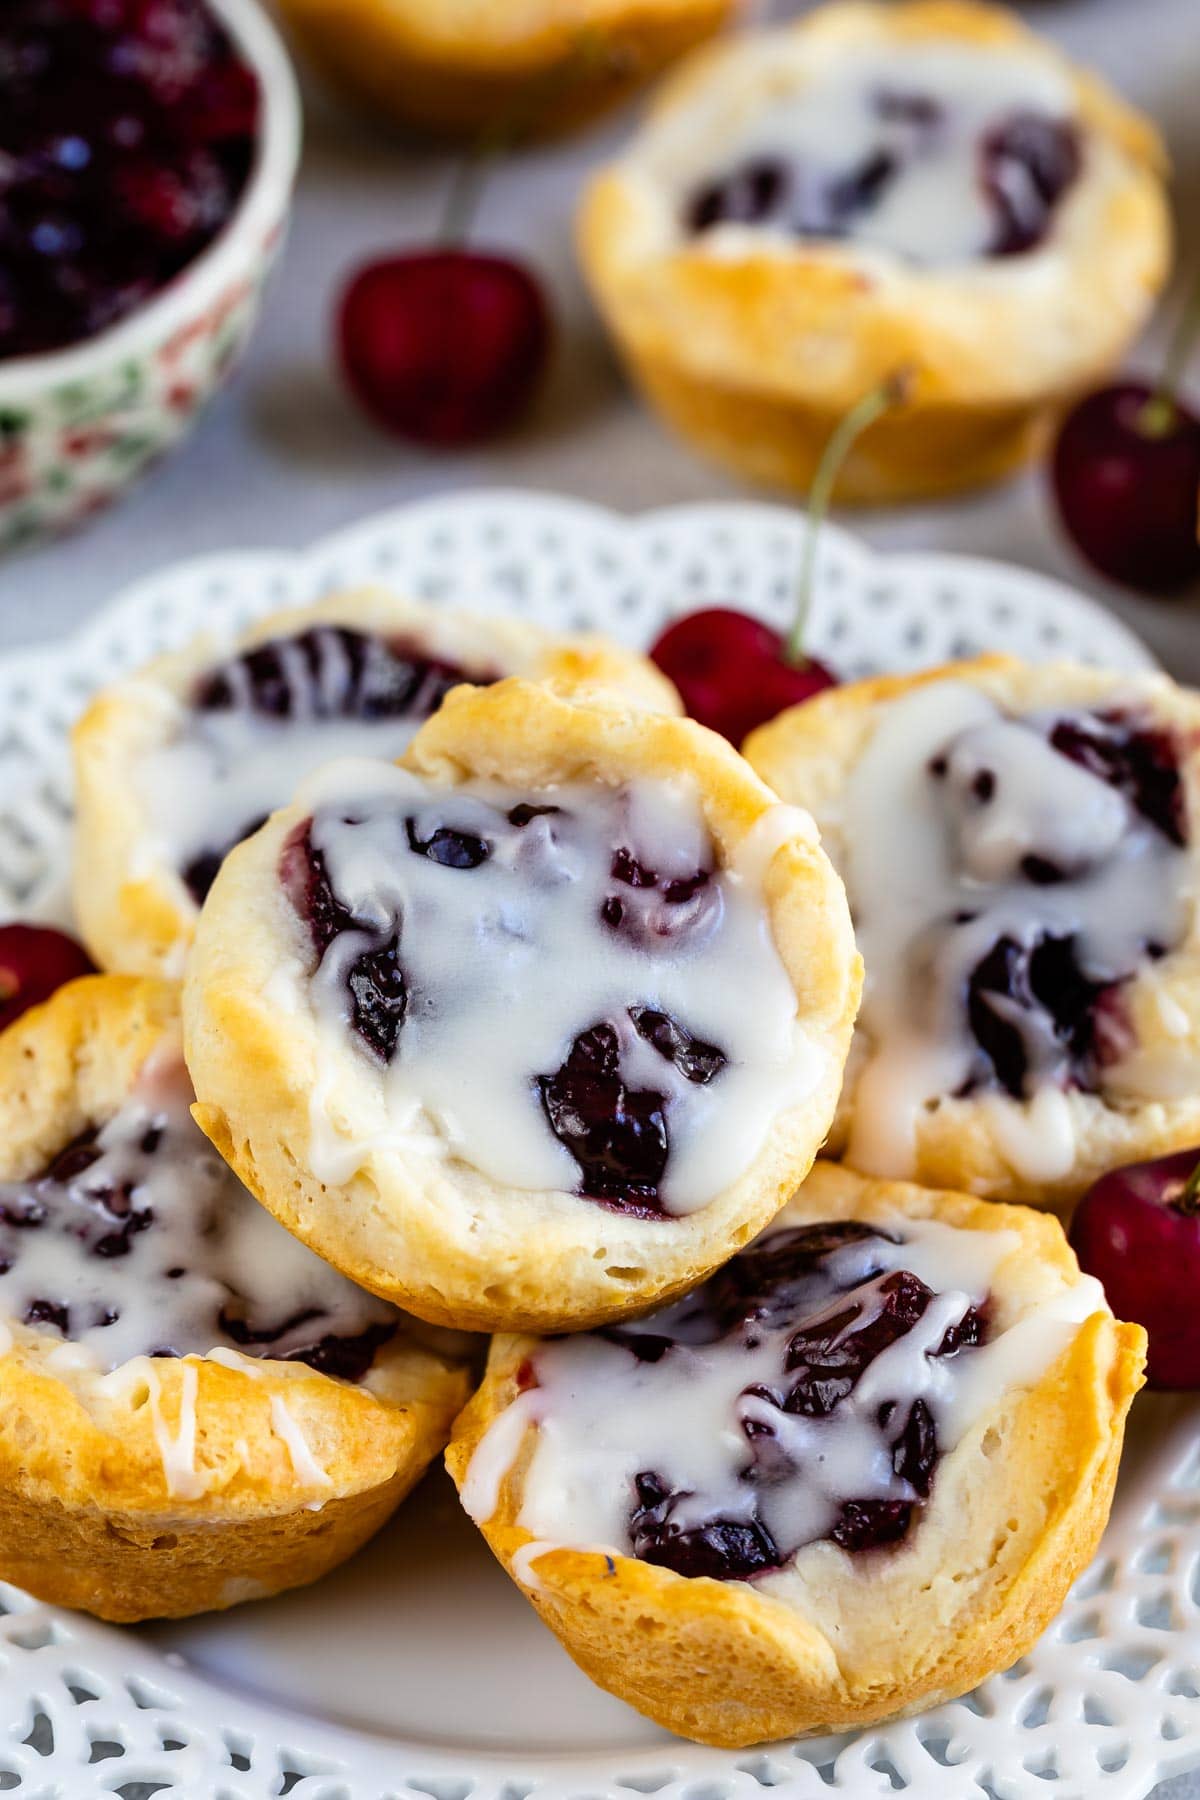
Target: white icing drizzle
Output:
[(1037, 1138), (508, 962), (934, 878), (522, 1563), (233, 1255), (521, 1566), (177, 1450), (305, 1464), (236, 1360), (933, 209), (494, 1455), (224, 770), (601, 1416)]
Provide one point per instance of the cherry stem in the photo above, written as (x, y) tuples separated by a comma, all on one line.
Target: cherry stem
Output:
[(879, 400), (1157, 416), (462, 202), (1188, 1199)]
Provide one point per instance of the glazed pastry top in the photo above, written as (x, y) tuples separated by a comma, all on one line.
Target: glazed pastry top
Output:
[(807, 1391), (1007, 874), (564, 982), (137, 1240), (938, 153), (259, 722)]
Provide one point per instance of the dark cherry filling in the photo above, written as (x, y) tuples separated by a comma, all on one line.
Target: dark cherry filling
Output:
[(723, 1549), (202, 870), (653, 910), (379, 997), (1142, 762), (331, 672), (1026, 163), (523, 813), (349, 1358), (1045, 983), (307, 884), (375, 979), (696, 1061), (89, 1216), (1022, 994), (616, 1134), (325, 673), (780, 1279), (101, 1206), (452, 849), (128, 131), (1029, 162)]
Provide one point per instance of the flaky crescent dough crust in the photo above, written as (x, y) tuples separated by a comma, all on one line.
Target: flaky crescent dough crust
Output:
[(525, 67), (755, 357), (88, 1517), (806, 755), (134, 911), (424, 1229), (836, 1642)]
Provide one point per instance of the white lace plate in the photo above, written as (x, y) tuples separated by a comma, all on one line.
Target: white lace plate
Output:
[(418, 1672)]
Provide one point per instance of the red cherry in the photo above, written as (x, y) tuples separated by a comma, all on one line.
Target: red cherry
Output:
[(443, 346), (34, 961), (1138, 1231), (1127, 478), (730, 670)]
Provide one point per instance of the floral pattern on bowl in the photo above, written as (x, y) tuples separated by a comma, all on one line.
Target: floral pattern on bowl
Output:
[(78, 425)]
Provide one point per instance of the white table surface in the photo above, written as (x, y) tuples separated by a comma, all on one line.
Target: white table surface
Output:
[(282, 456)]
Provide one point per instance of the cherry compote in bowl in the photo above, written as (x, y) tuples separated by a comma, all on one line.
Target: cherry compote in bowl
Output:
[(147, 154)]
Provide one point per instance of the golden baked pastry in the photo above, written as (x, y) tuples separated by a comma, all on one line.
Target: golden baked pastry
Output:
[(521, 67), (180, 761), (1019, 847), (924, 187), (194, 1410), (533, 1028), (852, 1475)]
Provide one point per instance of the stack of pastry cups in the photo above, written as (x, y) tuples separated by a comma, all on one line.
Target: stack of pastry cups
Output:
[(172, 1485), (1044, 1501)]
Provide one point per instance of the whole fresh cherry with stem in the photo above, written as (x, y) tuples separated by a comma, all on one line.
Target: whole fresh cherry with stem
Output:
[(445, 345), (1126, 475), (35, 960), (1137, 1230), (733, 671)]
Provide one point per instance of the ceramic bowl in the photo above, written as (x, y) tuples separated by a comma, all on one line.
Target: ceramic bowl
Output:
[(77, 425)]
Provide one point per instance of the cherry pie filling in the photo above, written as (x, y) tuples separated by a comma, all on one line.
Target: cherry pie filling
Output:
[(266, 717), (128, 131), (1041, 998), (795, 1397), (136, 1239), (438, 931), (1005, 174)]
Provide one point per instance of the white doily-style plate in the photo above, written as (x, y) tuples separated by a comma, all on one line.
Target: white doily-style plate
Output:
[(418, 1672)]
